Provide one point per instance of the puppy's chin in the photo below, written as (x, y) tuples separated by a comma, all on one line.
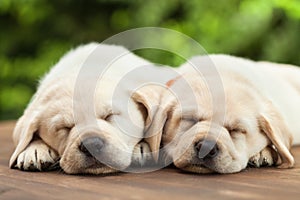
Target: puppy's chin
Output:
[(99, 170), (188, 165), (93, 169), (77, 163), (197, 169)]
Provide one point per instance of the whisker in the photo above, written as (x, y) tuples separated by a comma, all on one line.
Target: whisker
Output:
[(54, 166)]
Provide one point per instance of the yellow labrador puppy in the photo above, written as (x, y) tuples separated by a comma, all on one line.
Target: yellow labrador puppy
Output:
[(238, 112), (84, 115)]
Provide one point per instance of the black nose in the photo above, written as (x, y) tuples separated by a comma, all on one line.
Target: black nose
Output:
[(91, 146), (206, 149)]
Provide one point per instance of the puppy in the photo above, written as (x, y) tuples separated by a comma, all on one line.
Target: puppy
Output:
[(85, 114), (224, 112)]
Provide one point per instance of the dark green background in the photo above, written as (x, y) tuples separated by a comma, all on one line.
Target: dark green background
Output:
[(35, 33)]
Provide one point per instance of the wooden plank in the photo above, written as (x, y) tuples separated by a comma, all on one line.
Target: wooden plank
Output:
[(168, 183)]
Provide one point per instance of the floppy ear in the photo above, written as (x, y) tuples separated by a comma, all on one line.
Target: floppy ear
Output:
[(272, 124), (24, 131), (155, 115)]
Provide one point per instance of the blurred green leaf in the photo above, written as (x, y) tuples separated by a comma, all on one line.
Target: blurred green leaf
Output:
[(34, 34)]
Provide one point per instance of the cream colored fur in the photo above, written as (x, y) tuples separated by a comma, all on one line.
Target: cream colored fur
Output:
[(253, 113), (48, 131)]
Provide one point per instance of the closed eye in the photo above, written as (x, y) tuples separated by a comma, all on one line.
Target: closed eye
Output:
[(192, 119), (108, 117), (234, 130), (66, 128), (63, 130), (61, 124)]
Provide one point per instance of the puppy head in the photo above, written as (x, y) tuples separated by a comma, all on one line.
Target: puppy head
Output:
[(97, 148), (207, 140), (90, 134)]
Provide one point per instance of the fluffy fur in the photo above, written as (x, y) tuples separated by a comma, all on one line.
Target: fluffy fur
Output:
[(247, 110), (48, 131)]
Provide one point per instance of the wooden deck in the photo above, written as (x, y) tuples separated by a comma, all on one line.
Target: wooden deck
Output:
[(267, 183)]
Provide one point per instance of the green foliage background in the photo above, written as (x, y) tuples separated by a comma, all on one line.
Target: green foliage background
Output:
[(34, 34)]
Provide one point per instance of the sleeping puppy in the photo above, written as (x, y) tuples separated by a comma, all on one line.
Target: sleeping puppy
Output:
[(86, 128), (243, 112)]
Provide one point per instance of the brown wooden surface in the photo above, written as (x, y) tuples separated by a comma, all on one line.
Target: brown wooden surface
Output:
[(267, 183)]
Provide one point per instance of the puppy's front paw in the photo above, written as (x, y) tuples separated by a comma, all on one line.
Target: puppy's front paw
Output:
[(141, 154), (267, 157), (36, 157)]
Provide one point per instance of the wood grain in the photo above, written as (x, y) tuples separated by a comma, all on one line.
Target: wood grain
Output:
[(170, 183)]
